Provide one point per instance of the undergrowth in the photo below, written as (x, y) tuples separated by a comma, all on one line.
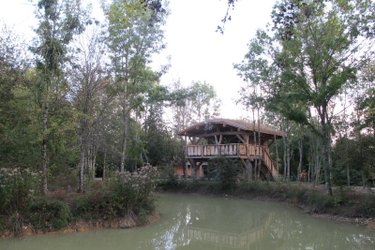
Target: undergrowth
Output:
[(123, 194)]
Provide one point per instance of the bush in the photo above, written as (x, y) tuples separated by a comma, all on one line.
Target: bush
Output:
[(47, 214), (81, 208), (125, 193), (17, 189), (135, 190), (226, 172), (366, 207)]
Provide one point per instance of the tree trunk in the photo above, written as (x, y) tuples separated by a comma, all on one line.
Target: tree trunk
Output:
[(277, 153), (363, 179), (43, 160), (81, 167), (284, 157), (104, 164), (286, 153), (347, 175), (84, 154), (123, 150), (300, 150), (327, 157), (255, 148), (288, 159), (259, 145), (317, 166)]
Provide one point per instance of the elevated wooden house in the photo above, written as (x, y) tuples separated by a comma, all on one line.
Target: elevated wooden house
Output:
[(245, 141)]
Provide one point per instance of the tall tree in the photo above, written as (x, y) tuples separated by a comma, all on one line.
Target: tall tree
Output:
[(193, 104), (89, 81), (311, 55), (59, 21), (17, 137), (134, 35)]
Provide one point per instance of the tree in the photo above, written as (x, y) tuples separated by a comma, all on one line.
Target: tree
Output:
[(17, 135), (59, 21), (204, 100), (311, 55), (365, 102), (134, 34), (89, 83), (193, 104)]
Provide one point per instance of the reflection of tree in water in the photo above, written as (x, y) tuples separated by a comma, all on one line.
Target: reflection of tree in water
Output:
[(208, 223), (212, 223), (297, 231), (174, 236)]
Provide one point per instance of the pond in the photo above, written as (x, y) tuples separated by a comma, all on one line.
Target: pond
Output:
[(204, 222)]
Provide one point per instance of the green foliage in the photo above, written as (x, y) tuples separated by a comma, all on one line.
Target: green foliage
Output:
[(366, 103), (45, 214), (193, 104), (161, 148), (225, 171), (356, 155), (367, 207), (313, 53), (123, 194), (18, 135), (82, 209), (17, 189), (58, 23)]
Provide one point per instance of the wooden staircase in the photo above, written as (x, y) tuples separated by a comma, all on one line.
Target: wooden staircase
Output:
[(267, 160)]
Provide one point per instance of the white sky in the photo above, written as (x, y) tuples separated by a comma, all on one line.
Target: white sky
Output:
[(196, 51)]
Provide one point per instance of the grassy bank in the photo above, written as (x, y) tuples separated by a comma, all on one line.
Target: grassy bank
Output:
[(124, 200), (343, 203)]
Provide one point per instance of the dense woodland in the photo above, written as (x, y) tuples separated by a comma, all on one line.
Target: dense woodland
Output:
[(82, 99)]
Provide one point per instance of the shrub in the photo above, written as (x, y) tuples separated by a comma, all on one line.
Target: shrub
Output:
[(124, 193), (366, 207), (135, 190), (227, 171), (17, 189), (82, 208), (47, 214)]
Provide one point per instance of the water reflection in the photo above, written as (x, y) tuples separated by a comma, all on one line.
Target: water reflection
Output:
[(236, 224), (197, 222)]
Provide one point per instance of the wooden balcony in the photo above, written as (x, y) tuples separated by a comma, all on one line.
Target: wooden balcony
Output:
[(232, 150), (223, 150)]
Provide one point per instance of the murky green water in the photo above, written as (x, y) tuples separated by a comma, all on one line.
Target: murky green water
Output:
[(197, 222)]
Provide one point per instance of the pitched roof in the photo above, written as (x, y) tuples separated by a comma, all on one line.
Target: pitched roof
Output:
[(239, 124)]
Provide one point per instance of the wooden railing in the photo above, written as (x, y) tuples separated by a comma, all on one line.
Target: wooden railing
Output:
[(217, 150), (269, 163), (232, 150), (214, 150)]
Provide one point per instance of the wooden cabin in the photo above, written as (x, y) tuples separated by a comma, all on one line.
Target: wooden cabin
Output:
[(242, 140)]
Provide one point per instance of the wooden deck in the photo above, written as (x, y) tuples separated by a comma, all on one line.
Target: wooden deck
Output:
[(232, 150)]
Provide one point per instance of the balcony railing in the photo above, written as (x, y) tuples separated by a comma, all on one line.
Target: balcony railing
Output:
[(231, 150)]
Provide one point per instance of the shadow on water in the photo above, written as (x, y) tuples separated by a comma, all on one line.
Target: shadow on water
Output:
[(199, 222)]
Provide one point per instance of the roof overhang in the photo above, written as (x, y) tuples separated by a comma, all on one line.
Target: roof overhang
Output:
[(238, 126)]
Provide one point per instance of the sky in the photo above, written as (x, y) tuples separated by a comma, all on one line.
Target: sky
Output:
[(195, 51)]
